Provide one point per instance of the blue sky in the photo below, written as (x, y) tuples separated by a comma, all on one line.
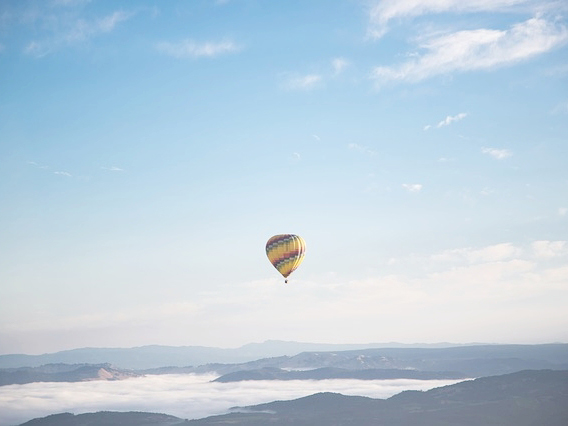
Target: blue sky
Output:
[(149, 149)]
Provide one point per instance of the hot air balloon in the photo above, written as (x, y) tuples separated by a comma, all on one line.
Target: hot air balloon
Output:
[(286, 252)]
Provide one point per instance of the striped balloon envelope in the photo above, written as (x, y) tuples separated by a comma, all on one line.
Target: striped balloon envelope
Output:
[(286, 252)]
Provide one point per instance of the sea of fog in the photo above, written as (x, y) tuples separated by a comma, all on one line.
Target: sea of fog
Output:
[(186, 396)]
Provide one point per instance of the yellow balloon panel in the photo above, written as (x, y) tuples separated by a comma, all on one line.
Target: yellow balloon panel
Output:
[(286, 252)]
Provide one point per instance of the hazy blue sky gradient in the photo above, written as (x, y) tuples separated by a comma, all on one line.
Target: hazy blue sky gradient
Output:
[(149, 149)]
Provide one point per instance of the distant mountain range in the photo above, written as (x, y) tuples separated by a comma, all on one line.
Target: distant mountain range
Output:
[(368, 364), (155, 356), (463, 361), (526, 398)]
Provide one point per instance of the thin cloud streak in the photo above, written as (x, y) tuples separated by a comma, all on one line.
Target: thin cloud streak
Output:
[(361, 148), (499, 154), (549, 249), (186, 396), (479, 49), (339, 65), (412, 187), (36, 49), (69, 3), (306, 82), (448, 120), (77, 31), (84, 30), (494, 253), (387, 10), (191, 49), (561, 108)]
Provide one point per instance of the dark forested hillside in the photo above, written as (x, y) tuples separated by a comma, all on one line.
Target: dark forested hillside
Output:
[(527, 398), (337, 373)]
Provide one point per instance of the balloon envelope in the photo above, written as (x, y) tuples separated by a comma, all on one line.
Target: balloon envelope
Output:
[(286, 252)]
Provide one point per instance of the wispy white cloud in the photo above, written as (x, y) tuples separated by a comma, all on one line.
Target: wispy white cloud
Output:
[(44, 167), (192, 49), (316, 137), (296, 156), (306, 82), (37, 49), (504, 252), (108, 23), (299, 81), (448, 120), (69, 3), (412, 187), (557, 70), (561, 108), (339, 65), (113, 169), (74, 32), (385, 11), (33, 163), (493, 253), (562, 211), (361, 148), (547, 249), (499, 154), (479, 49)]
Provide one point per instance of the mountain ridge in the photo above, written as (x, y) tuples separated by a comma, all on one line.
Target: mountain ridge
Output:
[(155, 356), (425, 363)]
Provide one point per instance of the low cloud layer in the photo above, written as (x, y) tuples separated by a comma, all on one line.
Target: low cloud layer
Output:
[(184, 396)]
